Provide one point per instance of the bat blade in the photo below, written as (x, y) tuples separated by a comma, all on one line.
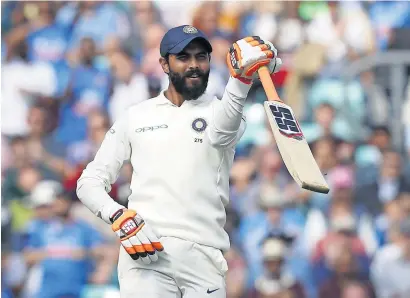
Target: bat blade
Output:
[(294, 148)]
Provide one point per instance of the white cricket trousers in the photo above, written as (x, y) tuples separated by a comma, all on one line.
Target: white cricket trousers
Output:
[(184, 270)]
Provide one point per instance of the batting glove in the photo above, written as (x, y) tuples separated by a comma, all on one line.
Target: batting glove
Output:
[(136, 237), (247, 55)]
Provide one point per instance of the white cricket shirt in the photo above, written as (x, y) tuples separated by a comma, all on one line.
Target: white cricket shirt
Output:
[(181, 158)]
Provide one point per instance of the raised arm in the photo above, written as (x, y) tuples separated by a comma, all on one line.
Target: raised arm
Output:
[(244, 58), (228, 123)]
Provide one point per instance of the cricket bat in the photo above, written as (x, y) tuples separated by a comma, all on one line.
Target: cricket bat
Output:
[(290, 140)]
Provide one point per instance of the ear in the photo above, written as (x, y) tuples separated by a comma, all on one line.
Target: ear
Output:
[(164, 64)]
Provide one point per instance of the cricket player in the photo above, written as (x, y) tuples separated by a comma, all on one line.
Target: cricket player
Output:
[(181, 145)]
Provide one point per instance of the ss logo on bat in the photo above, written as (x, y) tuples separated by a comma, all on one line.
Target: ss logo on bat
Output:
[(287, 124)]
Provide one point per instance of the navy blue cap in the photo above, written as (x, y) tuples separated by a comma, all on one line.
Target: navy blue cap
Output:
[(176, 39)]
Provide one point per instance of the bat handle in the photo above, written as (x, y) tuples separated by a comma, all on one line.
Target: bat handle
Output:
[(267, 84)]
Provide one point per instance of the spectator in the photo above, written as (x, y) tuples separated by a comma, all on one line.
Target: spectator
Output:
[(16, 190), (244, 188), (81, 98), (95, 20), (356, 289), (22, 83), (219, 75), (394, 211), (43, 150), (324, 151), (273, 218), (80, 153), (63, 249), (380, 138), (391, 267), (205, 18), (270, 167), (341, 233), (44, 31), (130, 88), (324, 117), (151, 41), (389, 183), (41, 200), (342, 221), (404, 202), (276, 281), (346, 273), (144, 15)]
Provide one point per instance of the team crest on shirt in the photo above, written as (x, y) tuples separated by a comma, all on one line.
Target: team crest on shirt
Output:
[(190, 29), (199, 125)]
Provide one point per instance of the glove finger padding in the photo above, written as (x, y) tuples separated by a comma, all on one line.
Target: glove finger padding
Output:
[(153, 238), (130, 249), (151, 253)]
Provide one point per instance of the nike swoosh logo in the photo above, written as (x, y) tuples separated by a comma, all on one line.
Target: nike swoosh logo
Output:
[(209, 291)]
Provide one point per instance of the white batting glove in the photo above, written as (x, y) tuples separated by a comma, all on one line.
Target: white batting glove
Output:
[(247, 55), (136, 237)]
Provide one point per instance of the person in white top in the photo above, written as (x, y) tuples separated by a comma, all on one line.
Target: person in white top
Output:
[(390, 270), (131, 87), (181, 145)]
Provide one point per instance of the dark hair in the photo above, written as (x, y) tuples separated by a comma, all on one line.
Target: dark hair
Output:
[(382, 128)]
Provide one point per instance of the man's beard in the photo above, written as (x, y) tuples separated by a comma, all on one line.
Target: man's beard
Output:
[(193, 92)]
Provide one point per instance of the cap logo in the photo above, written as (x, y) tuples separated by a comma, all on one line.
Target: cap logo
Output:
[(190, 30)]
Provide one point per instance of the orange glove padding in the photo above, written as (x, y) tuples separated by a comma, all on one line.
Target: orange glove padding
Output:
[(136, 237)]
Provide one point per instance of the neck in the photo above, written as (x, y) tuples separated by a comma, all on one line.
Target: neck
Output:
[(173, 96)]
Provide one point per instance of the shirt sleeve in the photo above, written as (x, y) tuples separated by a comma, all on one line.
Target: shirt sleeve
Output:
[(95, 182), (33, 236), (379, 276), (228, 123), (40, 79)]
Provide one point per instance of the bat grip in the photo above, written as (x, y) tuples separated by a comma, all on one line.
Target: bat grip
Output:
[(267, 84)]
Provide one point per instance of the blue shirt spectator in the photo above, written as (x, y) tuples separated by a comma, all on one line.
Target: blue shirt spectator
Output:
[(254, 229), (387, 15), (62, 273), (89, 89), (47, 44), (94, 20)]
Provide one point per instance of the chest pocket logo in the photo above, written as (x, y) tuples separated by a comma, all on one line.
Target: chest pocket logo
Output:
[(199, 125)]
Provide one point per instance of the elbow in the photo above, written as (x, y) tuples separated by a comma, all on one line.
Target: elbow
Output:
[(81, 185), (225, 139), (221, 141), (90, 180)]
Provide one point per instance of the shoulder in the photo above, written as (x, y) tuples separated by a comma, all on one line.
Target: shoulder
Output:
[(34, 226), (389, 253)]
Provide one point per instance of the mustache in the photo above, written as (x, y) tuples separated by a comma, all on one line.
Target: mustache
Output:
[(194, 72)]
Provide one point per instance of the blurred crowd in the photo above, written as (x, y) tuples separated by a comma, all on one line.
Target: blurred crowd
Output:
[(69, 69)]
